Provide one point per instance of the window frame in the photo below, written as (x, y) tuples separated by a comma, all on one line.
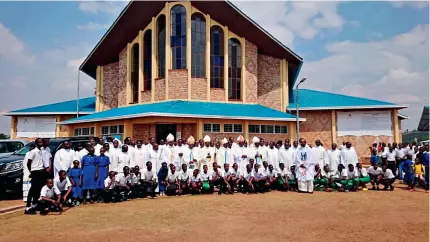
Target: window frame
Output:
[(283, 129), (212, 128), (147, 60), (217, 59), (233, 128), (178, 41), (198, 45), (234, 70), (78, 132), (119, 129), (161, 46), (134, 74)]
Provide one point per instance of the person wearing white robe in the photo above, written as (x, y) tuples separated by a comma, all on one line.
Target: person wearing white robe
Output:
[(273, 156), (127, 141), (169, 154), (179, 148), (155, 157), (123, 159), (140, 156), (305, 167), (348, 155), (285, 156), (257, 152), (224, 155), (206, 154), (293, 148), (333, 157), (113, 153), (80, 154), (63, 159), (191, 155), (320, 154), (240, 154)]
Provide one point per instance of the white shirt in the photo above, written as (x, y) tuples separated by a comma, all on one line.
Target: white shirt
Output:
[(325, 174), (197, 178), (46, 157), (225, 173), (401, 153), (362, 173), (107, 182), (371, 170), (62, 185), (348, 156), (388, 174), (149, 176), (63, 160), (391, 156), (333, 159), (284, 173), (47, 192), (120, 178), (259, 174), (183, 176), (351, 174), (172, 177), (248, 175), (272, 174), (36, 159), (205, 176), (320, 154), (340, 174), (26, 175)]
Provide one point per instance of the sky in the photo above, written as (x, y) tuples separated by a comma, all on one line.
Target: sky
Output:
[(377, 50)]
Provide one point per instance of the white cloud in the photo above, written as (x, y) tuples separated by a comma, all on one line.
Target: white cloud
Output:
[(13, 49), (92, 26), (112, 8), (394, 70), (413, 4)]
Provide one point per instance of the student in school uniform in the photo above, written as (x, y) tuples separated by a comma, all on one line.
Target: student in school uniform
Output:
[(38, 175), (63, 184), (149, 180), (317, 178), (226, 175), (235, 176), (259, 180), (375, 174), (122, 183), (173, 187), (162, 178), (326, 178), (89, 175), (50, 197), (352, 178), (419, 176), (26, 181), (184, 179), (136, 187), (247, 179), (340, 178), (110, 193), (363, 177), (388, 178), (103, 163), (195, 182), (282, 177), (292, 178), (206, 179), (75, 177), (272, 178), (218, 179)]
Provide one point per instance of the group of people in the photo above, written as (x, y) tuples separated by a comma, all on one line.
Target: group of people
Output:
[(111, 171)]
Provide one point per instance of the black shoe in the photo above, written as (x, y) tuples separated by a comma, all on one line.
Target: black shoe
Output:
[(30, 212)]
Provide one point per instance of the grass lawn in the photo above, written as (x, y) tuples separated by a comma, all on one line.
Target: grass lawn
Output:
[(276, 216)]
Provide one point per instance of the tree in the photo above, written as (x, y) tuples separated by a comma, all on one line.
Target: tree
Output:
[(4, 136)]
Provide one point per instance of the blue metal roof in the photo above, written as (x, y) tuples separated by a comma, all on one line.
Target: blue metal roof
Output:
[(194, 109), (86, 106), (317, 100)]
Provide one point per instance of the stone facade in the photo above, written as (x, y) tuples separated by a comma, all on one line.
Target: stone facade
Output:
[(143, 131), (217, 94), (187, 130), (160, 89), (317, 126), (110, 86), (145, 96), (178, 84), (122, 78), (251, 72), (269, 82), (199, 89)]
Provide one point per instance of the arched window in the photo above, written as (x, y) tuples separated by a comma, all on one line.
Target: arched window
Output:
[(198, 45), (234, 69), (135, 74), (217, 57), (147, 60), (178, 37), (161, 47)]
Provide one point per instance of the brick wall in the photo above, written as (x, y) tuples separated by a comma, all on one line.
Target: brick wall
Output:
[(110, 86), (269, 137), (199, 88), (218, 94), (317, 126), (122, 78), (145, 96), (221, 136), (188, 130), (178, 84), (362, 144), (269, 82), (251, 72), (160, 89), (143, 131)]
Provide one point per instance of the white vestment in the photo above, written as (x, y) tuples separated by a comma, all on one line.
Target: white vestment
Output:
[(320, 154), (190, 155), (63, 160), (238, 154), (169, 154), (273, 158), (286, 157), (305, 175), (140, 157), (123, 159), (348, 156), (204, 152), (156, 159), (224, 156), (333, 159), (97, 148)]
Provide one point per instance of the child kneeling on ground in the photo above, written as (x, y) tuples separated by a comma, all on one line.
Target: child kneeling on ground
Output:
[(50, 198)]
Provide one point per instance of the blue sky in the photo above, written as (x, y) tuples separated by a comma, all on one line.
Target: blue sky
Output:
[(372, 49)]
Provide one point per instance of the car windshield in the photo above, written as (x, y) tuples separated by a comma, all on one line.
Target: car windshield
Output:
[(52, 145)]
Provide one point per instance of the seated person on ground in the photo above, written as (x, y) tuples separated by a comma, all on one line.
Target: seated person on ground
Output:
[(323, 177), (206, 180), (247, 180), (218, 179), (340, 178), (272, 178), (419, 175), (63, 184), (149, 180), (235, 178), (292, 179), (110, 193), (363, 177), (173, 187), (282, 180), (184, 179), (352, 177), (259, 180), (196, 182), (136, 183), (375, 174), (122, 184), (50, 198), (226, 174), (388, 178)]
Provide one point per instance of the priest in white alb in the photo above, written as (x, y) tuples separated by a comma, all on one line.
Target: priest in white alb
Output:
[(206, 154), (64, 158), (123, 159), (333, 157), (305, 167), (224, 155), (273, 155), (348, 155), (320, 154), (257, 152), (168, 151), (191, 154), (240, 154), (286, 156), (155, 157), (140, 156)]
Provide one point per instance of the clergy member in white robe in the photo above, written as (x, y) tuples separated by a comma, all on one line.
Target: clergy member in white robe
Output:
[(286, 156), (348, 155), (64, 158), (240, 154), (320, 154), (333, 157), (257, 152), (206, 154), (140, 156), (155, 157), (123, 159), (168, 152), (305, 167), (191, 155), (273, 156), (224, 155)]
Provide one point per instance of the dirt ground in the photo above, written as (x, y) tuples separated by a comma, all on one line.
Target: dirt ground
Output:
[(363, 216)]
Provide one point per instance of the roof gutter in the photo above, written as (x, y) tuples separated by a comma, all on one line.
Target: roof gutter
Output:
[(42, 113), (351, 107), (104, 36)]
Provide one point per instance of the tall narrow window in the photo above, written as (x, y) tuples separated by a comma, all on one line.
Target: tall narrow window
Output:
[(217, 57), (198, 45), (161, 47), (135, 74), (178, 37), (234, 69), (147, 60)]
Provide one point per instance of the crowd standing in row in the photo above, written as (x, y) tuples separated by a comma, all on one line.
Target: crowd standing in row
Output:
[(110, 171)]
